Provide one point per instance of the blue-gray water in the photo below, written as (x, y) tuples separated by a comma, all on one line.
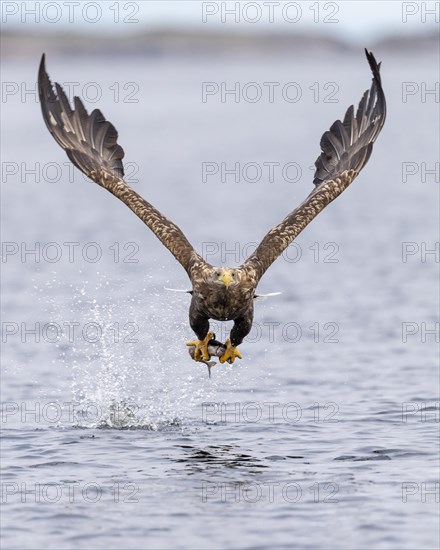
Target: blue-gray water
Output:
[(325, 435)]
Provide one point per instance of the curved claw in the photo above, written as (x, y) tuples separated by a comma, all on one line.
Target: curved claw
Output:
[(201, 347), (230, 354)]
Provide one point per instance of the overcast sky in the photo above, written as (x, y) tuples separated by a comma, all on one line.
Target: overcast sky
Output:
[(355, 20)]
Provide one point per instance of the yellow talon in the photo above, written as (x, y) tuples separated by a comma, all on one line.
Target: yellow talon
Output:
[(201, 351), (231, 353)]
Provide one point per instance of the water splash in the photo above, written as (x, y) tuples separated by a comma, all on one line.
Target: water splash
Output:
[(127, 362), (138, 373)]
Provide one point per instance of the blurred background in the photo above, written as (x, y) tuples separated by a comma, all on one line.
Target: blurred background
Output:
[(158, 26), (220, 107)]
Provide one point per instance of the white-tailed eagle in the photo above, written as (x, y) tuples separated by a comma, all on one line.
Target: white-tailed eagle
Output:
[(220, 293)]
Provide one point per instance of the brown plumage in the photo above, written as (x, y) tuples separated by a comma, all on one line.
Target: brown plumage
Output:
[(217, 293)]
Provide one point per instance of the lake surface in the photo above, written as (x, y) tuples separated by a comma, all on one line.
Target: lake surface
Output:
[(325, 434)]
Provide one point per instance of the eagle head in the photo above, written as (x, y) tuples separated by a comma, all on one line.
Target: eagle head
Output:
[(226, 276)]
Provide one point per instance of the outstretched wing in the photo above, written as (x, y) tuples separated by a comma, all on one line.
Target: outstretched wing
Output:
[(346, 148), (90, 142)]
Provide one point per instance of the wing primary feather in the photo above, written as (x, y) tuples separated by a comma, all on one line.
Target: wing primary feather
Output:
[(90, 142), (345, 149), (81, 119)]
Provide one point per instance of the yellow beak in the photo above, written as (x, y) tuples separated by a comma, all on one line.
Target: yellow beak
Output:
[(226, 278)]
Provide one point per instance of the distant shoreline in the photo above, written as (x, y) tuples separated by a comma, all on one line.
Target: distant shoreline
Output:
[(165, 42)]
